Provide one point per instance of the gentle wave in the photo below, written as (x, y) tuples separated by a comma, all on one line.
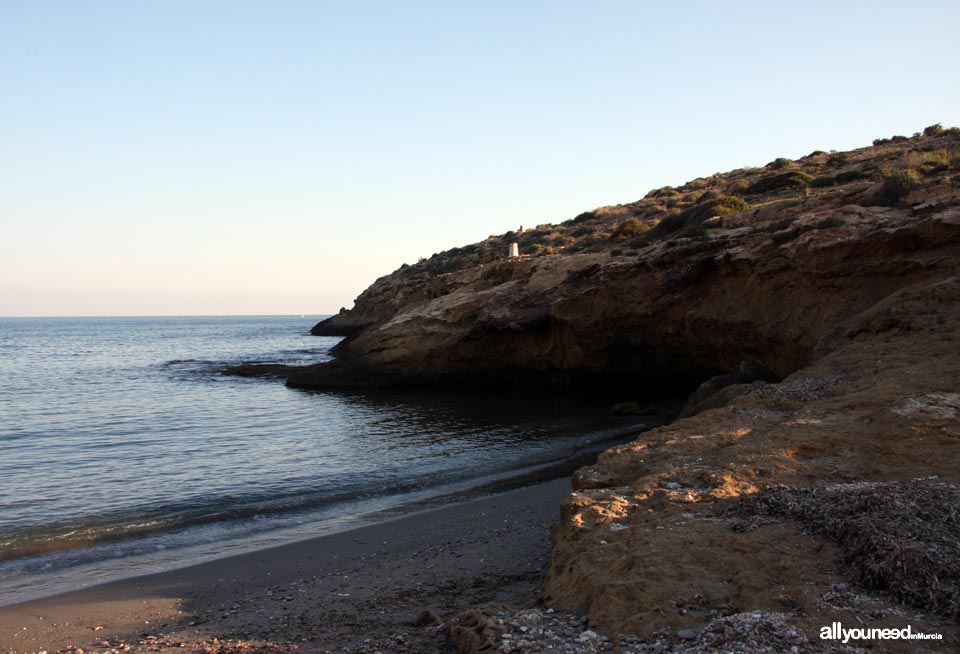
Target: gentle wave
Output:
[(121, 444)]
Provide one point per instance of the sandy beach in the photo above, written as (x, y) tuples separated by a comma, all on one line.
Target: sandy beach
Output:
[(353, 591)]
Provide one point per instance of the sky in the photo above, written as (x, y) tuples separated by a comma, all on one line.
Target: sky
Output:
[(201, 157)]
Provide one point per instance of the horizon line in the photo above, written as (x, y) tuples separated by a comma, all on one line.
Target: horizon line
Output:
[(173, 315)]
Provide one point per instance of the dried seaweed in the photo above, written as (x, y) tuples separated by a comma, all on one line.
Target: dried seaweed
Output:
[(899, 537)]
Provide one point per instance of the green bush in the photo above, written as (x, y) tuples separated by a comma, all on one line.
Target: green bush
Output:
[(848, 176), (899, 138), (727, 204), (825, 180), (880, 141), (792, 179), (779, 163), (933, 130), (664, 192), (717, 205), (934, 162), (690, 219), (738, 186), (895, 185), (669, 224), (630, 227)]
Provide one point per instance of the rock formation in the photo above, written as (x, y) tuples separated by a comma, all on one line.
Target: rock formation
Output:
[(817, 305)]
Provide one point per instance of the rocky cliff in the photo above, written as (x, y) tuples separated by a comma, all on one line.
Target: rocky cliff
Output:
[(757, 265), (818, 303)]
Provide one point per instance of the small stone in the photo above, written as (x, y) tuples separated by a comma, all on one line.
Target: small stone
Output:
[(426, 617), (687, 634)]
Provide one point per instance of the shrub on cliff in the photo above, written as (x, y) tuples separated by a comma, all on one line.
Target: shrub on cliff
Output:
[(895, 184), (663, 192), (934, 162), (933, 130), (823, 181), (668, 225), (780, 163), (630, 227), (717, 205), (690, 219), (738, 186), (793, 179)]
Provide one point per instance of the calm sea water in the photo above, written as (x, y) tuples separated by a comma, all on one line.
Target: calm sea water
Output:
[(124, 451)]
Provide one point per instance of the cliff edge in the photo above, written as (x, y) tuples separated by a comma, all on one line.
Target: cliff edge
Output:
[(813, 476), (757, 265)]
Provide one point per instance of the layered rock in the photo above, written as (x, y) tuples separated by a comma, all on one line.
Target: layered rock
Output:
[(678, 312), (847, 291), (652, 540), (715, 283)]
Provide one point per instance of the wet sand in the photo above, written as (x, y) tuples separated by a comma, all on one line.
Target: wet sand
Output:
[(353, 591)]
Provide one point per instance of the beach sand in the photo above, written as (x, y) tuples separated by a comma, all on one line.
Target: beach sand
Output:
[(353, 591)]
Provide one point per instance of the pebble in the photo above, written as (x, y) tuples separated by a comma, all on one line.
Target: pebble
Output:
[(562, 632)]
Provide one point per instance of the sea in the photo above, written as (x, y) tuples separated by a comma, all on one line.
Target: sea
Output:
[(125, 451)]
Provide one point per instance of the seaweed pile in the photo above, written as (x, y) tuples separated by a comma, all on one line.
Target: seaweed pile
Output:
[(898, 537)]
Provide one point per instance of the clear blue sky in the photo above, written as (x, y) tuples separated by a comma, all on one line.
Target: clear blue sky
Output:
[(276, 157)]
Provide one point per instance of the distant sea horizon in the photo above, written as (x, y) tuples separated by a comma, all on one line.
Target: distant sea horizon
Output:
[(124, 451), (316, 316)]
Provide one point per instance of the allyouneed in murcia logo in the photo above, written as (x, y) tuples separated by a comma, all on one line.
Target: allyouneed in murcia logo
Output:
[(836, 632)]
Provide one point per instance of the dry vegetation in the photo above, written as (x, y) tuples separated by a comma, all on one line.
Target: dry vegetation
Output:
[(898, 537), (882, 174)]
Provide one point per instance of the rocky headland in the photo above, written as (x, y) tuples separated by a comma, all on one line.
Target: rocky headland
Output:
[(813, 476)]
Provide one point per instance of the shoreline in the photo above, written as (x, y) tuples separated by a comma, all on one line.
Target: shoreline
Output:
[(445, 559), (452, 494)]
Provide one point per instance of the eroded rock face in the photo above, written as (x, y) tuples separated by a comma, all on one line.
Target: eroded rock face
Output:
[(681, 311), (652, 524), (860, 319), (830, 331)]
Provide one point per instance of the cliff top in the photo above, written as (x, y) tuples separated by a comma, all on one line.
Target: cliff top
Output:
[(767, 197)]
